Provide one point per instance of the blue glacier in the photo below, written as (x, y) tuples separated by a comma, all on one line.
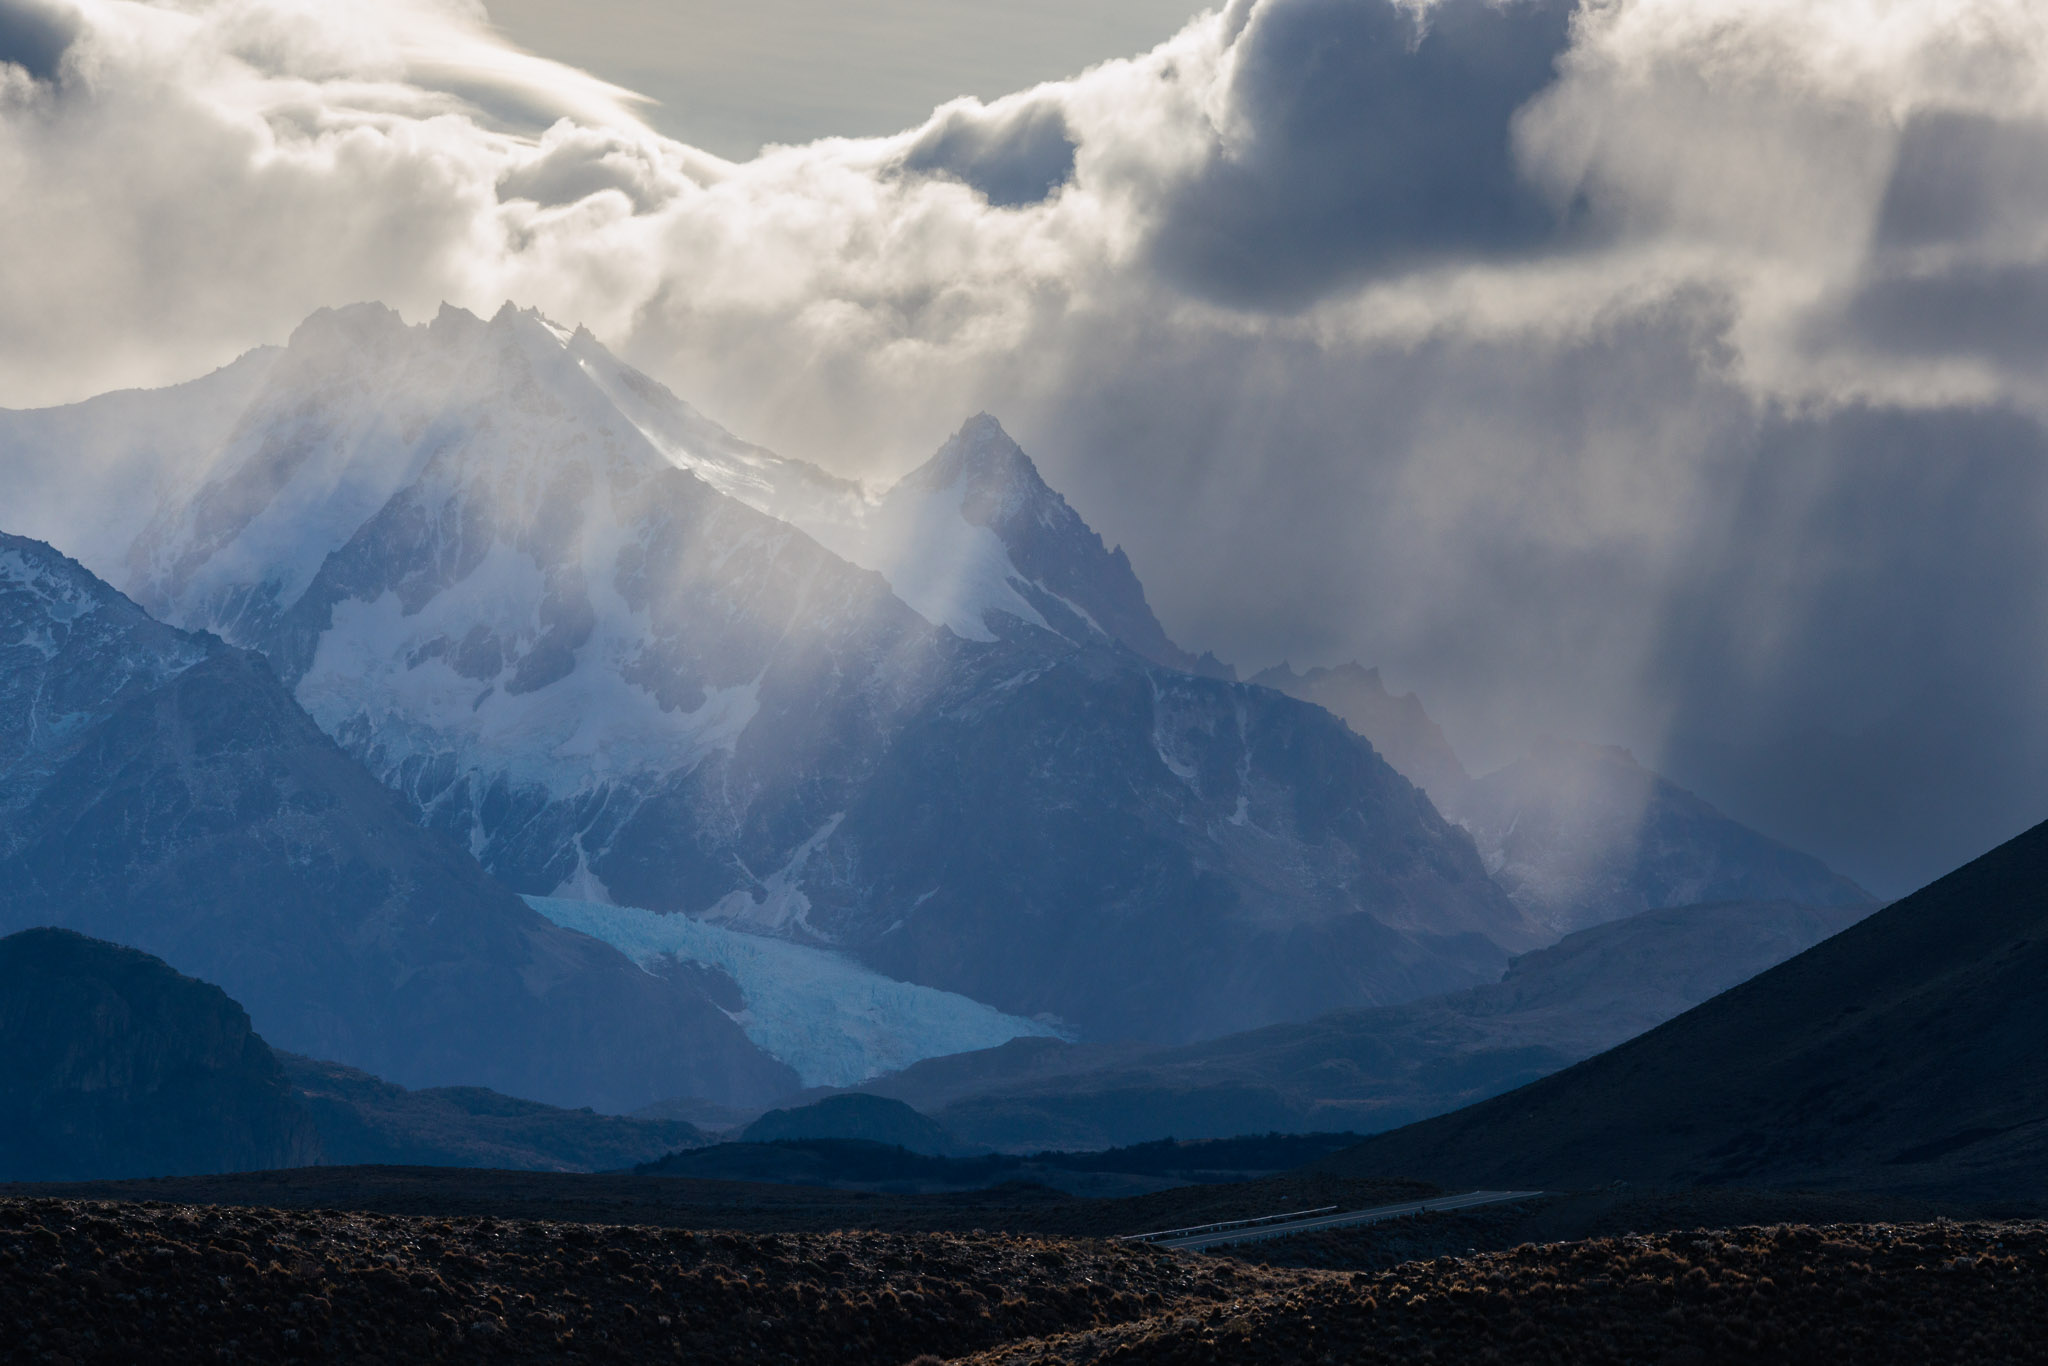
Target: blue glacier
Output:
[(833, 1021)]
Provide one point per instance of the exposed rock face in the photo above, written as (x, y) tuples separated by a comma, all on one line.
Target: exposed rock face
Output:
[(166, 791), (976, 530), (112, 1064), (1154, 855), (586, 636), (1398, 727)]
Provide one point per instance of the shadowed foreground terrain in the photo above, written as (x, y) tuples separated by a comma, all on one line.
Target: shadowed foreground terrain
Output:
[(1902, 1055), (105, 1281), (1789, 1293)]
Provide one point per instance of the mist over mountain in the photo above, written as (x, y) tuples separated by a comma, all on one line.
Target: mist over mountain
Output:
[(1577, 834), (1659, 375), (1398, 727), (657, 743), (581, 631), (1583, 834), (975, 529)]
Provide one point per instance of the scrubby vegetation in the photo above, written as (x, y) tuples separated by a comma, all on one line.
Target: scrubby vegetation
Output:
[(1791, 1293), (92, 1281)]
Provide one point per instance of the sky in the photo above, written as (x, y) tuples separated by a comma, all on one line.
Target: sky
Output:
[(731, 78), (1666, 373)]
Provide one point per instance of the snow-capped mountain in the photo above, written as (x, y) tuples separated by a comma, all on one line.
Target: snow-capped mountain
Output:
[(584, 632), (162, 790), (975, 534), (972, 535)]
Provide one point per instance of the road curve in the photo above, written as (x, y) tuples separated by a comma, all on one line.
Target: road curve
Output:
[(1199, 1242)]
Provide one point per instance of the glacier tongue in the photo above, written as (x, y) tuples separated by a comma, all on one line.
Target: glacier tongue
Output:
[(832, 1021)]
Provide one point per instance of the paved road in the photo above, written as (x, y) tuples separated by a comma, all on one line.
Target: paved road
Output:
[(1198, 1242)]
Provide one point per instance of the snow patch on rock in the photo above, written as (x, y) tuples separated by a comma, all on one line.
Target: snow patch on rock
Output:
[(390, 674)]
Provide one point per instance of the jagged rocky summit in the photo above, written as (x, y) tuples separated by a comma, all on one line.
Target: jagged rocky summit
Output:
[(622, 657)]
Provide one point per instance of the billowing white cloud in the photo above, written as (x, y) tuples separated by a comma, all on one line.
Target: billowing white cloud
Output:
[(1661, 371)]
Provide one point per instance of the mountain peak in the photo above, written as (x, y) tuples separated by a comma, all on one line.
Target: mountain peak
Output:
[(998, 480), (351, 327), (986, 534)]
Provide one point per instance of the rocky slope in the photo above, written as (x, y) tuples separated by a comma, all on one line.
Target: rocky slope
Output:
[(1899, 1055), (164, 791), (113, 1065), (1398, 727), (584, 635)]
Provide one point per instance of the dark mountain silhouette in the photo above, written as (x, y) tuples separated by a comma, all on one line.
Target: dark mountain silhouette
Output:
[(875, 1119), (1904, 1054), (113, 1064)]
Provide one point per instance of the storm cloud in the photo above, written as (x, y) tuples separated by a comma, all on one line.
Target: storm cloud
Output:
[(34, 36), (1658, 372), (1365, 137), (1018, 157)]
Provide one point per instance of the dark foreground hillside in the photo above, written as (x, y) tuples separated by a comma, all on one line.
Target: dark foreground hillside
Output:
[(104, 1282), (1902, 1055), (1870, 1294)]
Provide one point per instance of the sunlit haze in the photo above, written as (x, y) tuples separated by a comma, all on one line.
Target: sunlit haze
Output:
[(1666, 375)]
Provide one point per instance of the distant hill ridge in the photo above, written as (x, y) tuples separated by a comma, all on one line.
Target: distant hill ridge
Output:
[(115, 1065), (112, 1064)]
